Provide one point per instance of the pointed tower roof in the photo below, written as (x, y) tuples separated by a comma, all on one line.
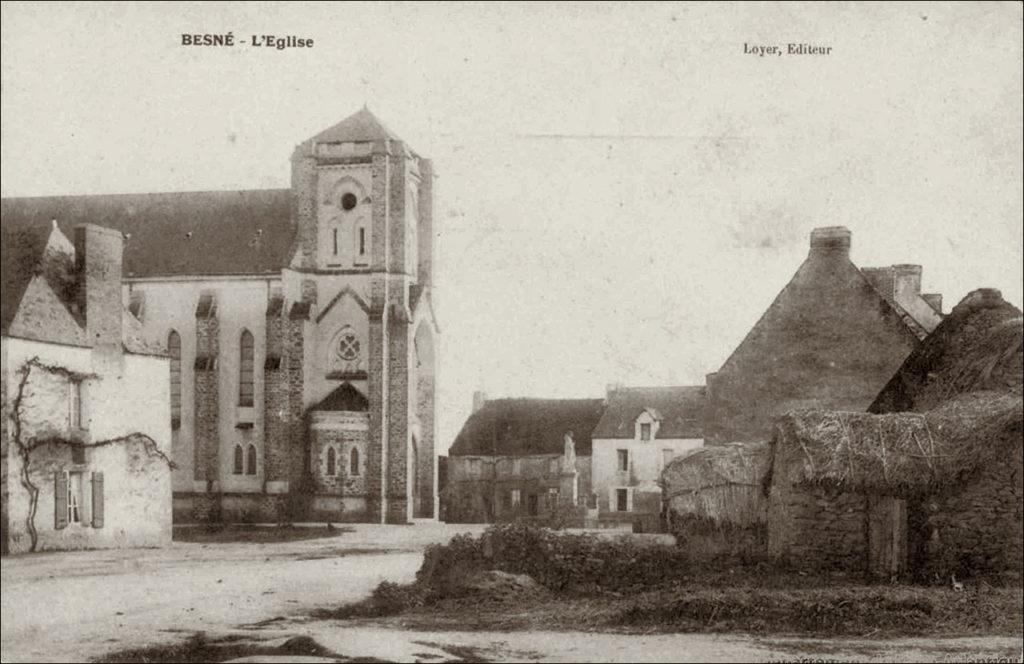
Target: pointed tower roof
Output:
[(360, 126)]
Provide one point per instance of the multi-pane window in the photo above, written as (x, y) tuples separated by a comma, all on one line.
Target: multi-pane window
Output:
[(174, 351), (645, 431), (75, 498), (623, 460), (353, 461), (515, 497), (245, 381)]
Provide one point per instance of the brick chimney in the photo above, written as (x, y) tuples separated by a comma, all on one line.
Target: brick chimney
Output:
[(830, 241), (479, 399), (98, 255)]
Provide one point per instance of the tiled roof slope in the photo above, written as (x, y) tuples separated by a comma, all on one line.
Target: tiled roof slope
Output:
[(518, 427), (680, 409), (358, 127), (206, 233)]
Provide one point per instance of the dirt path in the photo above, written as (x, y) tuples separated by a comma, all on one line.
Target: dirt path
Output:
[(73, 606)]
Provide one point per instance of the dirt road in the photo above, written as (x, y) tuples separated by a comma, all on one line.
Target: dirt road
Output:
[(77, 606)]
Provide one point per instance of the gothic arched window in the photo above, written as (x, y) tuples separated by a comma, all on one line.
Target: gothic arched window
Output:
[(251, 465), (174, 352), (239, 461), (245, 379), (354, 461), (331, 462)]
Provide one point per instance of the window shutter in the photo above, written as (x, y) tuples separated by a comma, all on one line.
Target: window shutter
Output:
[(97, 500), (60, 500)]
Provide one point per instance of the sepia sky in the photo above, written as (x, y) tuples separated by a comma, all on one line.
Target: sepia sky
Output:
[(622, 191)]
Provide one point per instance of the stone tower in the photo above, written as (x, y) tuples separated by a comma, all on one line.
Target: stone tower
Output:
[(362, 272)]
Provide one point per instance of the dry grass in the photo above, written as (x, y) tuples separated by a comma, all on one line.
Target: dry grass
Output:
[(821, 610), (722, 484), (898, 454)]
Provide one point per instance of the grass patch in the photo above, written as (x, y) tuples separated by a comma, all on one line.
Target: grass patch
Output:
[(252, 534), (668, 593)]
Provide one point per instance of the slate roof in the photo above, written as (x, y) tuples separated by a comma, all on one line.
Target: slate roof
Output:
[(23, 256), (21, 250), (344, 397), (680, 410), (518, 427), (204, 233), (358, 127)]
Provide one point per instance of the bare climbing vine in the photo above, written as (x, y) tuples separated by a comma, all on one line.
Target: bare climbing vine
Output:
[(27, 445)]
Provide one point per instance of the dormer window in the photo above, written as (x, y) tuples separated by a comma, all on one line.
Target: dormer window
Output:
[(645, 431)]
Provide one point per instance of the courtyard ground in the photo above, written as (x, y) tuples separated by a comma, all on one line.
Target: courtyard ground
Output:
[(185, 602)]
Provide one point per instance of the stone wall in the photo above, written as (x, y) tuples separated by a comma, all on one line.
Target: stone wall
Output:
[(207, 394), (480, 489), (818, 529), (978, 530)]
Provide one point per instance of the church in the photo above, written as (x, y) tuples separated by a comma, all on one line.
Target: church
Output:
[(299, 329)]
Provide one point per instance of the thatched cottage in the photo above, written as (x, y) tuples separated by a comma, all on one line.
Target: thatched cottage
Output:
[(930, 481)]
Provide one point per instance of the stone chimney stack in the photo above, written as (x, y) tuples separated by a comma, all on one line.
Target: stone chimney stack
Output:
[(934, 299), (831, 241), (479, 399), (906, 282), (98, 256), (611, 387)]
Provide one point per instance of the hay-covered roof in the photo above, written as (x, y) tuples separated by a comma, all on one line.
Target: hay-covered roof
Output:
[(977, 347), (898, 454), (717, 465), (721, 484)]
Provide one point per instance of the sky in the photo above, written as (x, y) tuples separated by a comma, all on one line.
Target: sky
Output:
[(621, 190)]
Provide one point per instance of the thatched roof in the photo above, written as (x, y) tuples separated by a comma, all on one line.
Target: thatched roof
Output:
[(978, 346), (720, 483), (898, 454)]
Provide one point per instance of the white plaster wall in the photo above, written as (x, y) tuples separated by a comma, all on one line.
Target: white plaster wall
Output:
[(241, 304), (137, 486), (646, 461)]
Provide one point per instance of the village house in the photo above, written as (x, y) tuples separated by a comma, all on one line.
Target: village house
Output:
[(86, 428), (831, 339), (522, 459), (299, 327), (930, 480), (582, 461), (640, 431)]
